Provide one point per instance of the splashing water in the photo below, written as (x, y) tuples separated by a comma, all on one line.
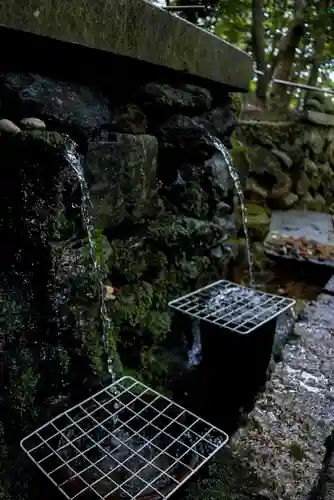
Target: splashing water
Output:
[(195, 351), (244, 214), (86, 206)]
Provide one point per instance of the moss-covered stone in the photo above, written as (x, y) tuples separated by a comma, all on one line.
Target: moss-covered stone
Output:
[(129, 259), (50, 323), (121, 173), (305, 169), (258, 223), (188, 199), (171, 255), (227, 477), (66, 106), (185, 234), (240, 159)]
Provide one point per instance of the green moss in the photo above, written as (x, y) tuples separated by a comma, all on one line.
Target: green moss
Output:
[(52, 139), (237, 146), (169, 260), (185, 234), (129, 259), (102, 247), (296, 451), (258, 221), (4, 482), (226, 477), (236, 99), (23, 392), (158, 324), (189, 199), (133, 304), (96, 353)]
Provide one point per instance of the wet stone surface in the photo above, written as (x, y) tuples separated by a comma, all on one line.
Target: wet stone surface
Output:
[(302, 236), (329, 288), (161, 221), (284, 439)]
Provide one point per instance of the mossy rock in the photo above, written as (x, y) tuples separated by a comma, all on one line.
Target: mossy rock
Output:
[(184, 234), (241, 159), (236, 100), (129, 259), (258, 223), (315, 105), (188, 199), (227, 477)]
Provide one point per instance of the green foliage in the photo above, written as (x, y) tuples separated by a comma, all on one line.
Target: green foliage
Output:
[(23, 391), (129, 259), (232, 21)]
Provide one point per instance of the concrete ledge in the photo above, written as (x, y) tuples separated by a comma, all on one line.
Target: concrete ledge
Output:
[(136, 29)]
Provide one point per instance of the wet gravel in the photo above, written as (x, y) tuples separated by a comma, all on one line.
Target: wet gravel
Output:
[(284, 439)]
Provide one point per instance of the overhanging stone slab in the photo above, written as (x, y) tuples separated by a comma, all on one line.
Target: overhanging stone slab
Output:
[(133, 28)]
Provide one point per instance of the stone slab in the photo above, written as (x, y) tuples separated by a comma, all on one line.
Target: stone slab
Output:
[(302, 236), (133, 28), (320, 118)]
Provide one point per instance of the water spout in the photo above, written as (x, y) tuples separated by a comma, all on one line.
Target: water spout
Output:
[(74, 161), (244, 214)]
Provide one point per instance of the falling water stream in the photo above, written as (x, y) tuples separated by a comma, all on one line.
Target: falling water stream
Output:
[(111, 453), (244, 214), (74, 161), (86, 206)]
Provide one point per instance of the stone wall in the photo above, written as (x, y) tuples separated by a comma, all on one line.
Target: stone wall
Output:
[(128, 95), (162, 201), (291, 164)]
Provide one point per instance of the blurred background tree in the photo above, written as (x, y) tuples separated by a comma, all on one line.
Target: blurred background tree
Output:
[(289, 40)]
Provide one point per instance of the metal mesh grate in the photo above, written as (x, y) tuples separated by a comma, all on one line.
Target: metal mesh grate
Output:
[(232, 306), (126, 441)]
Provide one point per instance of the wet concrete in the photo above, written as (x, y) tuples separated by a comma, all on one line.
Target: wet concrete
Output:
[(283, 441)]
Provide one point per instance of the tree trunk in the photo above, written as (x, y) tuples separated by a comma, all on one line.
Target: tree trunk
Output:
[(258, 49), (279, 98), (318, 49), (272, 58)]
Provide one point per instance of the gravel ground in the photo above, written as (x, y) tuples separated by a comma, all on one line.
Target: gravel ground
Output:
[(284, 440)]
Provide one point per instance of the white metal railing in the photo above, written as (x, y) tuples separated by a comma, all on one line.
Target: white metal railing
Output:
[(299, 85)]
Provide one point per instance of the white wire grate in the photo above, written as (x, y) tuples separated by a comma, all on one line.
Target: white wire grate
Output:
[(232, 306), (125, 442)]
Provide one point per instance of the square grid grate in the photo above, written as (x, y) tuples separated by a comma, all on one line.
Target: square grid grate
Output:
[(232, 306), (125, 442)]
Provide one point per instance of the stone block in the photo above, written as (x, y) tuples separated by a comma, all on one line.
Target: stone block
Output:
[(136, 29)]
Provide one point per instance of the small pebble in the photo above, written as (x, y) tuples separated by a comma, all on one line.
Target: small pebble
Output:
[(109, 292), (299, 331), (33, 123), (8, 127)]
